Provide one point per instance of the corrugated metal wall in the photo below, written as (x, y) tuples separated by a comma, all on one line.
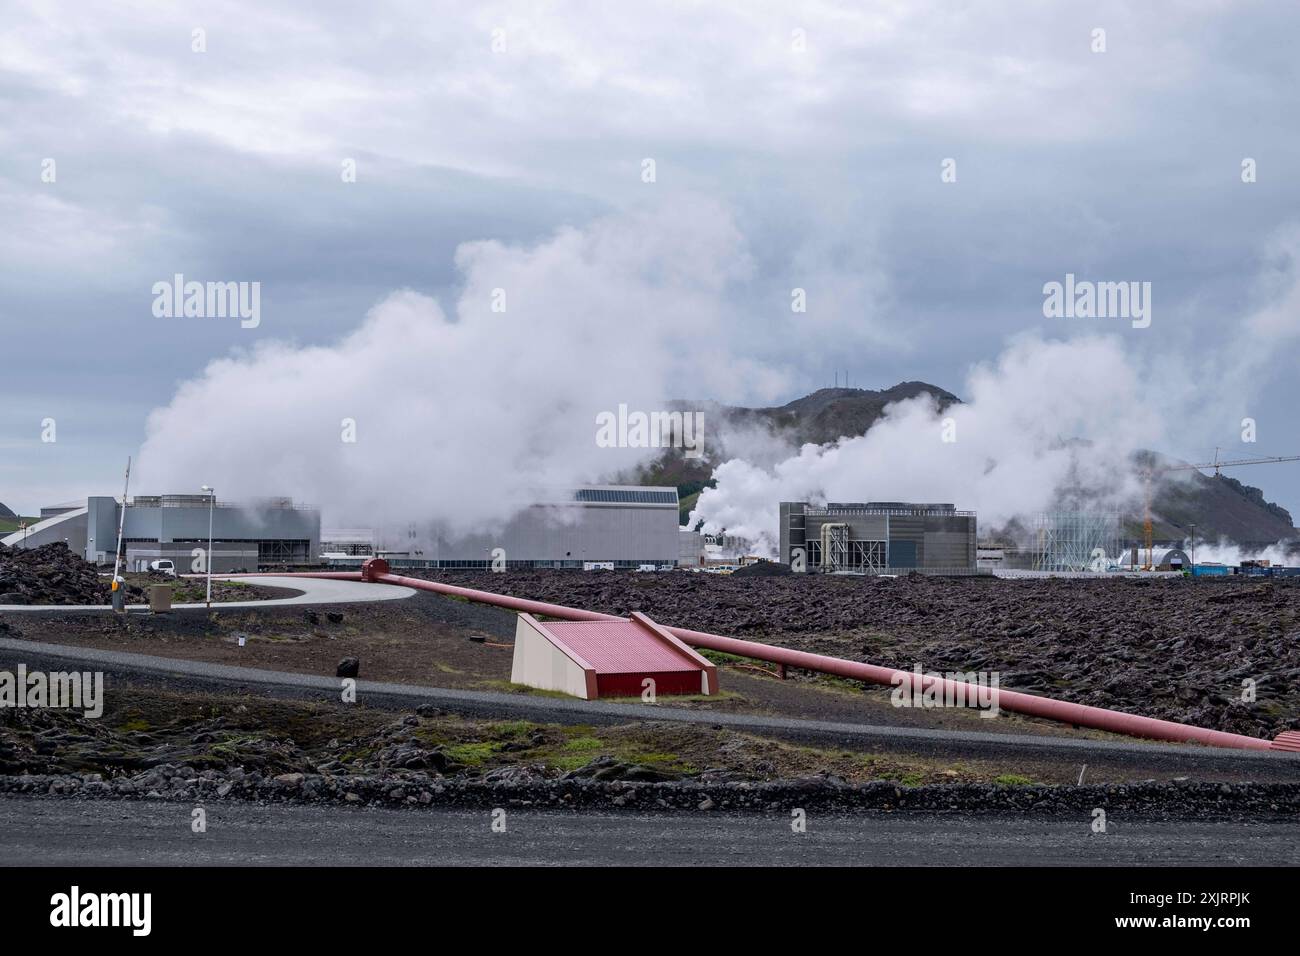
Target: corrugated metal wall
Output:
[(627, 534), (938, 541)]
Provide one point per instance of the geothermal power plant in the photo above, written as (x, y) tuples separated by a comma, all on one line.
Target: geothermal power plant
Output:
[(602, 527)]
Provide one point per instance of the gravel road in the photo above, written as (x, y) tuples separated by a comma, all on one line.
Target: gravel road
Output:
[(96, 833)]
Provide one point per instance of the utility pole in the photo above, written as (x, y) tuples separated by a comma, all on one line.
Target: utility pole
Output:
[(118, 594), (212, 502)]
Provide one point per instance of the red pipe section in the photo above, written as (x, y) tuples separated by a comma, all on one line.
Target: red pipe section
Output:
[(1081, 715)]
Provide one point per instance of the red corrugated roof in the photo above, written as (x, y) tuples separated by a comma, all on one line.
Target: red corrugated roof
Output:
[(619, 647)]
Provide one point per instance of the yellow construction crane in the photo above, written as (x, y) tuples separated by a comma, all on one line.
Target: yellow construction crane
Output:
[(1149, 473)]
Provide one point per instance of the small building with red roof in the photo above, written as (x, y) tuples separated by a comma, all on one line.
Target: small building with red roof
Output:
[(592, 659)]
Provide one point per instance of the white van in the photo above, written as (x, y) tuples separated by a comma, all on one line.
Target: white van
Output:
[(647, 567), (166, 566), (598, 565)]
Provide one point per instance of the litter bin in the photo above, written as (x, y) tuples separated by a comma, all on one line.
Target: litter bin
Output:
[(160, 598)]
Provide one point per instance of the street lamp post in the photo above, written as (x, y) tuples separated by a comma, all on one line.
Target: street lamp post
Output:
[(212, 501)]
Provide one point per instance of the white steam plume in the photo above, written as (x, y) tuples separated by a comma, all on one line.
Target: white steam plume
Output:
[(465, 418), (1051, 425), (1226, 552), (1032, 426)]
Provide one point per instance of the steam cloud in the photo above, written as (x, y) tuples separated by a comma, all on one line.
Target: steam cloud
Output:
[(1050, 426), (463, 418), (1032, 429)]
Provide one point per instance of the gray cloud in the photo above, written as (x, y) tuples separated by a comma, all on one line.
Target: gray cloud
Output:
[(225, 165)]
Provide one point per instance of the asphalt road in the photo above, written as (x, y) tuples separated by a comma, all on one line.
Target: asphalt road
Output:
[(95, 833), (306, 591)]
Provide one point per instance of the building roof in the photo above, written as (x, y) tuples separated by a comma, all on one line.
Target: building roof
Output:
[(622, 647), (364, 535), (654, 495)]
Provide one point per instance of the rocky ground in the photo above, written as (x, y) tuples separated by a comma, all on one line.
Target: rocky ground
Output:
[(143, 727), (1176, 649), (156, 746), (193, 590), (54, 575), (1172, 648)]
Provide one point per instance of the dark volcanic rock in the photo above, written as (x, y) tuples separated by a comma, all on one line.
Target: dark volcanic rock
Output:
[(527, 787), (348, 667), (763, 569), (52, 574)]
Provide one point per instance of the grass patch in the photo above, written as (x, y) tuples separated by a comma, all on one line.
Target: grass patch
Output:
[(475, 753), (576, 752), (10, 525), (513, 729), (1012, 780), (721, 657), (679, 698), (228, 749), (432, 736), (507, 686)]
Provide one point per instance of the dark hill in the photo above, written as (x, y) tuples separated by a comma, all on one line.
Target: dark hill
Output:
[(832, 413), (1219, 506)]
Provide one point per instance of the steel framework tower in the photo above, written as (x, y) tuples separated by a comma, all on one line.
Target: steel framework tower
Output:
[(1075, 540)]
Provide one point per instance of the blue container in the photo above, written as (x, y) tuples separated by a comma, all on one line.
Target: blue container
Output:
[(1256, 572), (1211, 570)]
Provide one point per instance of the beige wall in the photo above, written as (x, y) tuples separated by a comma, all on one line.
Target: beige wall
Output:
[(539, 663)]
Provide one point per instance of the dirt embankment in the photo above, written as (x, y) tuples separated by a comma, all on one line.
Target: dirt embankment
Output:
[(189, 747)]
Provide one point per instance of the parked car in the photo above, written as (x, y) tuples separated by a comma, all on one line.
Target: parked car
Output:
[(165, 566)]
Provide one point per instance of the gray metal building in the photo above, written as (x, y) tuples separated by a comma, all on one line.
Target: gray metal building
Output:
[(245, 535), (623, 525), (877, 537)]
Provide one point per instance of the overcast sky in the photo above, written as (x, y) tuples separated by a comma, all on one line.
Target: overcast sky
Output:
[(794, 146)]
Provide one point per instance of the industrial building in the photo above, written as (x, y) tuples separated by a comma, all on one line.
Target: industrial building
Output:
[(347, 543), (245, 535), (591, 659), (1162, 559), (877, 537), (690, 548), (623, 526)]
